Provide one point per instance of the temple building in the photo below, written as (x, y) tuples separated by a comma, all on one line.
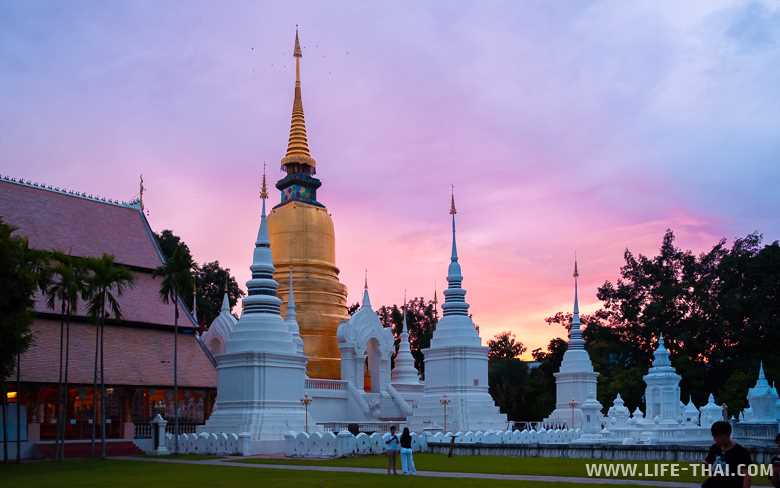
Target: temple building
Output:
[(138, 346), (304, 244), (575, 381)]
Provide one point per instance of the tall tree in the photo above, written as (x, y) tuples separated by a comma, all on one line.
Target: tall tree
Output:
[(67, 284), (208, 281), (22, 272), (176, 275), (212, 282), (106, 282), (505, 346)]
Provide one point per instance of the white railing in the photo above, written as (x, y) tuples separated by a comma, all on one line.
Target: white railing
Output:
[(369, 427), (322, 384), (328, 444)]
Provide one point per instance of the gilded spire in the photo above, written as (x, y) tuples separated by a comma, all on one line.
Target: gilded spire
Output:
[(454, 256), (264, 186), (298, 144)]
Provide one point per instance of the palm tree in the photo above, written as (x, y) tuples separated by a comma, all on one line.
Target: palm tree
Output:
[(176, 275), (106, 282), (65, 290)]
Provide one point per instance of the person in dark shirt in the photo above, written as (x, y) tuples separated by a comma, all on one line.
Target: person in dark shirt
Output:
[(727, 460), (407, 460), (775, 478)]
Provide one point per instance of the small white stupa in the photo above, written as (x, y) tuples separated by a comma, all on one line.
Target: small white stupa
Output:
[(710, 413), (220, 329), (455, 397), (763, 400), (662, 394), (575, 382), (261, 374), (404, 372), (618, 413), (690, 413)]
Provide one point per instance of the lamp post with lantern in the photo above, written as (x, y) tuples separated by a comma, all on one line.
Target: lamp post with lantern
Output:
[(444, 403), (306, 400)]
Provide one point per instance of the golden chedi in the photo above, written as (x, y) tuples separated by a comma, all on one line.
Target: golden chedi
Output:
[(303, 241)]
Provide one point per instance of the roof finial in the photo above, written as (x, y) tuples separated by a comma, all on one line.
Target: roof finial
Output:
[(195, 298), (141, 192), (264, 187), (297, 50), (452, 200), (454, 255), (366, 299), (576, 287), (298, 143), (404, 328)]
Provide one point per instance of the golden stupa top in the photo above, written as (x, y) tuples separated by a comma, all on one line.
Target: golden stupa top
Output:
[(298, 144)]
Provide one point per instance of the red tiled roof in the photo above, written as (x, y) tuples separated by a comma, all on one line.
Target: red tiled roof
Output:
[(78, 226), (133, 356), (84, 227), (139, 303)]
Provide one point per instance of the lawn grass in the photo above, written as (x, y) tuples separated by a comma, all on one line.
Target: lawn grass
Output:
[(487, 464), (141, 474)]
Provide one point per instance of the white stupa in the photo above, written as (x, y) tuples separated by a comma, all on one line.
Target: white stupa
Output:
[(404, 372), (261, 374), (662, 394), (710, 413), (575, 382), (763, 400), (456, 367), (220, 329)]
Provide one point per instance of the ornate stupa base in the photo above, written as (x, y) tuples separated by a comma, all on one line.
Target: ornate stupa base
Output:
[(467, 411)]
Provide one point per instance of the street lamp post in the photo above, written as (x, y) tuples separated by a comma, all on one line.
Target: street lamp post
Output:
[(306, 400), (444, 402)]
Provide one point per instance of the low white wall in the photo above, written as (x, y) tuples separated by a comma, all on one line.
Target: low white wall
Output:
[(328, 444)]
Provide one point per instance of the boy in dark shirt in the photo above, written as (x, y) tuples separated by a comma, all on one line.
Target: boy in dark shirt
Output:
[(775, 478), (727, 460)]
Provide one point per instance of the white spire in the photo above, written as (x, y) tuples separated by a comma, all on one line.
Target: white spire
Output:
[(225, 303), (575, 331), (291, 315), (404, 328), (292, 319), (366, 299), (661, 355), (404, 371), (454, 295), (261, 327)]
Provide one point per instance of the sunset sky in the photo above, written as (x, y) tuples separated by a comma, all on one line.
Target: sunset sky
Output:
[(564, 126)]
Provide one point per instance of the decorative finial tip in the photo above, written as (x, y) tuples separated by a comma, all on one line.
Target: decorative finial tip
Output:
[(576, 270), (453, 211), (264, 187), (297, 50), (365, 279)]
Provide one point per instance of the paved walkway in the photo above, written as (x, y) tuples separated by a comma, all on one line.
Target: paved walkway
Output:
[(428, 474)]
